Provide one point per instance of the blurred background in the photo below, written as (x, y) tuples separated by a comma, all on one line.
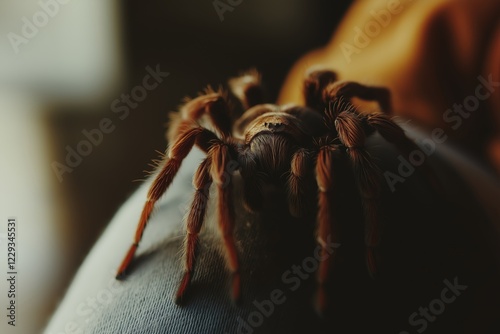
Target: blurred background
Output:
[(62, 66)]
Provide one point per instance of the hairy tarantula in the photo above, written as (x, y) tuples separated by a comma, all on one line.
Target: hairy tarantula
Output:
[(270, 141)]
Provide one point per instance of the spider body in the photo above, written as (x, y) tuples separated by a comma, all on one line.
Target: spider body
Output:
[(281, 146), (271, 140)]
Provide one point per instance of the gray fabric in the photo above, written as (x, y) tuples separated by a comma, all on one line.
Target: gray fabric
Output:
[(427, 240)]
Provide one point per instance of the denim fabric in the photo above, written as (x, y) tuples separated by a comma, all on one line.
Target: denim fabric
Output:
[(426, 241)]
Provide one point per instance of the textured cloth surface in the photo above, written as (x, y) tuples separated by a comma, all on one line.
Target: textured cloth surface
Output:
[(426, 241)]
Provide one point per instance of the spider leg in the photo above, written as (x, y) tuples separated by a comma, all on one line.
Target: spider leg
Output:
[(368, 178), (201, 182), (394, 134), (297, 182), (327, 225), (214, 105), (314, 84), (247, 88), (349, 89), (220, 161), (178, 151)]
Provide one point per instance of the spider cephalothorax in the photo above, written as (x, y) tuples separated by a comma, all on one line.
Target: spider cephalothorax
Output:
[(279, 145)]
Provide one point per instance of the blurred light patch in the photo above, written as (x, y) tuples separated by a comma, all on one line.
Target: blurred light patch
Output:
[(65, 50), (52, 53), (27, 195)]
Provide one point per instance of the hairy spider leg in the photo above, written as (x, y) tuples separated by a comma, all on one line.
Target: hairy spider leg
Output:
[(349, 89), (178, 151), (368, 178), (394, 134), (297, 182), (221, 158), (248, 89), (212, 104), (327, 228), (314, 84), (382, 123), (201, 182), (215, 106)]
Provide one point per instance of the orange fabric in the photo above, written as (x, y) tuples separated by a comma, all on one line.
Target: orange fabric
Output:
[(429, 53)]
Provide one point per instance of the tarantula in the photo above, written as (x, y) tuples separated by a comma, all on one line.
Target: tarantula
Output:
[(271, 141)]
